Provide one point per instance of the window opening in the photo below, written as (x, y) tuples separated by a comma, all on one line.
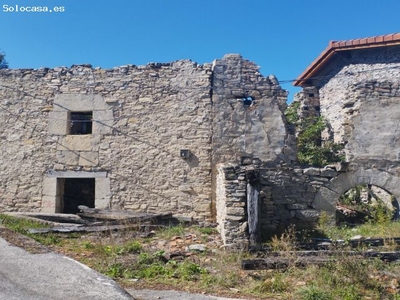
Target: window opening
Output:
[(81, 122)]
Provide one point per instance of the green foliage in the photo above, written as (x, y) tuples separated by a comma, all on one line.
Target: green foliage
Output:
[(133, 247), (277, 283), (208, 230), (88, 245), (152, 266), (363, 198), (47, 239), (310, 149), (114, 271), (19, 225), (116, 250), (313, 293), (171, 231), (380, 214), (291, 113)]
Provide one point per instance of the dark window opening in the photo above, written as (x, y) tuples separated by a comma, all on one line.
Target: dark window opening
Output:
[(78, 191), (311, 95), (81, 122), (247, 101)]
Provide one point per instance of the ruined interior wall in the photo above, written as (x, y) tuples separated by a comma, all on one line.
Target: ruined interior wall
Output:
[(286, 196), (256, 130), (152, 112)]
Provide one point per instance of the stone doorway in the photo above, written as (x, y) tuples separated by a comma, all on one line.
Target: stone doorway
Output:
[(91, 189), (77, 191)]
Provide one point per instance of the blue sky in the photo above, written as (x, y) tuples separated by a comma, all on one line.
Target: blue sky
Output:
[(281, 36)]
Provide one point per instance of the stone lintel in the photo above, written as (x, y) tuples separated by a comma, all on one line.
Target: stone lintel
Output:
[(75, 174)]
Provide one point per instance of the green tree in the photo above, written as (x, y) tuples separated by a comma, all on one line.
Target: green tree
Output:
[(3, 62), (310, 148)]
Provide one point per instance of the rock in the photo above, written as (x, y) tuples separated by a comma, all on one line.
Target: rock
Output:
[(197, 248), (357, 238)]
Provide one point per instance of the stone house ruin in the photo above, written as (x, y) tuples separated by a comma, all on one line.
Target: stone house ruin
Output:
[(206, 141), (355, 86), (142, 138)]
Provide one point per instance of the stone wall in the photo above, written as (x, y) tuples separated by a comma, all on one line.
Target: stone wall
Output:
[(361, 81), (142, 117), (287, 195), (253, 128)]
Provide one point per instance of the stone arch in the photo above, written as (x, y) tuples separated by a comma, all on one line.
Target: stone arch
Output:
[(328, 195)]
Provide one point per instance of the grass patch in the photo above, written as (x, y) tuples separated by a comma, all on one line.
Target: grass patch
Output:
[(172, 231)]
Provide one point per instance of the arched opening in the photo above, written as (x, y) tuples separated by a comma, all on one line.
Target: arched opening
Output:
[(328, 196), (366, 202)]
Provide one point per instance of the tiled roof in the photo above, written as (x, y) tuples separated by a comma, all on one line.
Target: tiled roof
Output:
[(336, 46)]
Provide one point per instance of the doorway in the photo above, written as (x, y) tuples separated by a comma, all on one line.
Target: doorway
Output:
[(78, 191)]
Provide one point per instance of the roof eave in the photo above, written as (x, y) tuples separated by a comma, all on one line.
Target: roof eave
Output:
[(334, 47)]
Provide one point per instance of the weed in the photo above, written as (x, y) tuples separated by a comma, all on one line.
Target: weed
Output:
[(114, 270), (47, 239), (313, 293), (19, 225), (87, 245), (277, 283), (171, 231), (133, 247), (207, 230)]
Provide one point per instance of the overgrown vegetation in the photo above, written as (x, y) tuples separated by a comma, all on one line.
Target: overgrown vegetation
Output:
[(311, 149), (366, 203), (148, 261)]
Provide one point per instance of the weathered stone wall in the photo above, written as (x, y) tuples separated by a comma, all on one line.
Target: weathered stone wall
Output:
[(143, 117), (357, 93), (287, 197), (249, 129)]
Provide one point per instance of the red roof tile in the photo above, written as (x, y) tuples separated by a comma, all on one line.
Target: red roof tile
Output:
[(336, 46)]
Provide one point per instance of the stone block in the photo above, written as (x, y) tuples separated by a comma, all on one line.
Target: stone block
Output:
[(103, 121), (235, 211), (328, 173), (102, 192), (58, 123), (310, 215), (326, 200), (85, 142), (79, 102), (48, 204), (312, 171), (67, 157), (88, 158), (49, 187)]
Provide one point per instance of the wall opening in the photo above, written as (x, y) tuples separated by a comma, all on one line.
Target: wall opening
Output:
[(247, 101), (77, 191), (81, 122), (366, 202)]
